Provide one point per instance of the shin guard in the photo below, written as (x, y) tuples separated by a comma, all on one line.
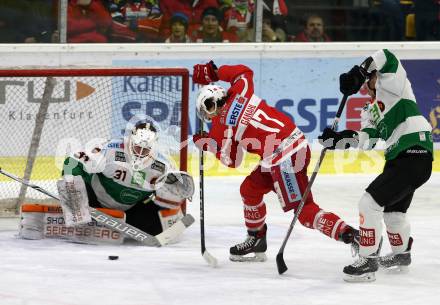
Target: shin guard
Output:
[(254, 215), (370, 225), (313, 217), (398, 230)]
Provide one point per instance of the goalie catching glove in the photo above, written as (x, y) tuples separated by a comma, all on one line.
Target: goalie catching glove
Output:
[(173, 188)]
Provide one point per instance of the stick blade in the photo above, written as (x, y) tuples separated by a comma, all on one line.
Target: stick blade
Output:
[(281, 265), (211, 260)]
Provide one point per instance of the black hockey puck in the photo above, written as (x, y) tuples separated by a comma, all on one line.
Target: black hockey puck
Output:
[(113, 257)]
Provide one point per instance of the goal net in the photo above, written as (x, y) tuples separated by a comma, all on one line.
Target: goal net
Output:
[(49, 114)]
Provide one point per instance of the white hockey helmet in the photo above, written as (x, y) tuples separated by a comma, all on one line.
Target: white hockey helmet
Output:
[(140, 145), (209, 99)]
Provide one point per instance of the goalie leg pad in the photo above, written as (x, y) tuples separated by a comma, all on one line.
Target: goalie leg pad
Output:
[(44, 221), (370, 225), (31, 225), (168, 218), (74, 200)]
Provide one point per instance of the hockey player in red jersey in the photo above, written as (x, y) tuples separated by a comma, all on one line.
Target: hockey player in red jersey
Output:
[(241, 121)]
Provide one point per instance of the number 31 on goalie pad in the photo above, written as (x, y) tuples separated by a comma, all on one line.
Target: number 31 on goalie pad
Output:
[(74, 200)]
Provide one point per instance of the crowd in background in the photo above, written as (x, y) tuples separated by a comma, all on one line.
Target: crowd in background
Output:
[(99, 21)]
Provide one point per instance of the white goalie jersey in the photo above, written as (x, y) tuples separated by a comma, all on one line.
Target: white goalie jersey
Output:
[(107, 172)]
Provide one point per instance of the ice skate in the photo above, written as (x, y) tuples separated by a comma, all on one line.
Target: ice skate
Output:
[(252, 249), (351, 236), (397, 263), (364, 268)]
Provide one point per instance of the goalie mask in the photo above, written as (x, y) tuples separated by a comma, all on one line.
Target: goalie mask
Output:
[(209, 99), (140, 146)]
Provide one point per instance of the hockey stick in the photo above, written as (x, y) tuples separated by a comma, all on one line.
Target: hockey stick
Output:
[(281, 265), (211, 260), (115, 224)]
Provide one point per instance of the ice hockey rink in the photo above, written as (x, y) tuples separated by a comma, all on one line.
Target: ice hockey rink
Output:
[(56, 272)]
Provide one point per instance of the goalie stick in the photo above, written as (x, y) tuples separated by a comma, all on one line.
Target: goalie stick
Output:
[(211, 260), (281, 265), (125, 229)]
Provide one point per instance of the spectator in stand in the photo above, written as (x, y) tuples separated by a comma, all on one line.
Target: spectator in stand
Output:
[(225, 4), (211, 31), (237, 18), (191, 8), (120, 32), (87, 21), (144, 18), (272, 31), (313, 31), (178, 29)]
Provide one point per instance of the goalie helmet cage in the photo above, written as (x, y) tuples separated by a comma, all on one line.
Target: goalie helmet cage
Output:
[(48, 114)]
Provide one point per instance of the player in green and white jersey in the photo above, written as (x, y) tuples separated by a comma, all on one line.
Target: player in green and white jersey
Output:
[(129, 174), (393, 116)]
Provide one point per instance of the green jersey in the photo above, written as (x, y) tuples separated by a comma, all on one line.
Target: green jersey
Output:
[(394, 116), (107, 172)]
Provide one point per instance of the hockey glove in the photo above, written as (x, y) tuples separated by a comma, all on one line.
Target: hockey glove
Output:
[(352, 81), (204, 142), (205, 74), (338, 140), (173, 188)]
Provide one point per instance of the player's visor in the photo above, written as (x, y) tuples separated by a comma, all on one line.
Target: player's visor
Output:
[(203, 112), (209, 106)]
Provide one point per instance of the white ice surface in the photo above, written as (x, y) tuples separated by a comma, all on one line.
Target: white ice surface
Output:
[(50, 272)]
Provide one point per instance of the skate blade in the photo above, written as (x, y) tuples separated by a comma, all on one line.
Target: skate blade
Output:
[(364, 278), (397, 270), (259, 257)]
